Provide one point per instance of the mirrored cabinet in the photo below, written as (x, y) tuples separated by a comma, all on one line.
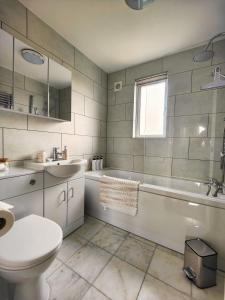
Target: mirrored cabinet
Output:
[(31, 83)]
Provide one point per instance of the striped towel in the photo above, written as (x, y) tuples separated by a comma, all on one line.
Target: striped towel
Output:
[(119, 194)]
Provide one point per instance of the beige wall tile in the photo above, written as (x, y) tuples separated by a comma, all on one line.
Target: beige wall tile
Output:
[(180, 147), (157, 166), (129, 111), (94, 109), (114, 77), (216, 125), (125, 95), (192, 169), (35, 123), (118, 161), (103, 129), (117, 112), (119, 129), (191, 126), (182, 61), (111, 97), (77, 104), (199, 103), (82, 84), (109, 145), (205, 148), (139, 163), (12, 120), (143, 70), (47, 38), (13, 13), (159, 147), (104, 79), (87, 126), (100, 94), (23, 144), (77, 145), (87, 67), (179, 83), (171, 105), (98, 145), (219, 52)]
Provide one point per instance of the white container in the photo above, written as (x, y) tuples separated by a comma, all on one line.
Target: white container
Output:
[(93, 164), (101, 162)]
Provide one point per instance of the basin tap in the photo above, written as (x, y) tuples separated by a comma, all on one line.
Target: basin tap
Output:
[(210, 183), (56, 154), (218, 188)]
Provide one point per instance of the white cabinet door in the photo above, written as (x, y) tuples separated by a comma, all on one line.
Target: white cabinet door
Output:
[(31, 203), (75, 200), (55, 203)]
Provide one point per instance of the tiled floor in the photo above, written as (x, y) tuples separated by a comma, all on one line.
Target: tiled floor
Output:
[(100, 262)]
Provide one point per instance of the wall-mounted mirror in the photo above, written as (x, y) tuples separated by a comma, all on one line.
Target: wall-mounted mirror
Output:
[(31, 80), (31, 83), (59, 91)]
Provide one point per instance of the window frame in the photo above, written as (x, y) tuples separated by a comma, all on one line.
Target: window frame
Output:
[(137, 103)]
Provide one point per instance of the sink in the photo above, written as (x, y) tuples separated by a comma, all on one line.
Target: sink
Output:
[(60, 168)]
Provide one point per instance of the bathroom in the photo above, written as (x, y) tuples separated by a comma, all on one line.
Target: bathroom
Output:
[(76, 134)]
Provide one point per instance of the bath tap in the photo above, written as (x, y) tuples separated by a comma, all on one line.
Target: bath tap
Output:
[(218, 188), (210, 183)]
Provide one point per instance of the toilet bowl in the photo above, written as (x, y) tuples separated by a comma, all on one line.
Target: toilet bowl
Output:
[(26, 252)]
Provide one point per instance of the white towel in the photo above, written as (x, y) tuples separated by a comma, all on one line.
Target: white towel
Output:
[(119, 194)]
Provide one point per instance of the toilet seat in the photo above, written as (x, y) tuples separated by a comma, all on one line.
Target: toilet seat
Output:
[(31, 241)]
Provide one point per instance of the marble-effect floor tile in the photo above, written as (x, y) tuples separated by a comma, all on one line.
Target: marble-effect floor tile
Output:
[(167, 266), (90, 228), (94, 294), (70, 245), (109, 238), (67, 285), (88, 261), (154, 289), (136, 253), (119, 280)]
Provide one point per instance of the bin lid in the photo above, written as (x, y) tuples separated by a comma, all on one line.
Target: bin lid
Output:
[(200, 247)]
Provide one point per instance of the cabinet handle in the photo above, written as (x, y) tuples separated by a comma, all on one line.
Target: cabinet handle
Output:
[(72, 193), (32, 182), (64, 197)]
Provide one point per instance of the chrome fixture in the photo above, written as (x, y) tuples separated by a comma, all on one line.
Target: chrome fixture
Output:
[(218, 80), (216, 185), (56, 155), (206, 54), (138, 4), (32, 56)]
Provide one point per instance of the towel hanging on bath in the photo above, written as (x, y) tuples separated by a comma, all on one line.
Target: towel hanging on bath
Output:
[(119, 194)]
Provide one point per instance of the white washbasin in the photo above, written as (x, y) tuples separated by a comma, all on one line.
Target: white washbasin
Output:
[(60, 168)]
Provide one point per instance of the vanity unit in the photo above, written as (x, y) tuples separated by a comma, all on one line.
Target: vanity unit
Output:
[(38, 192)]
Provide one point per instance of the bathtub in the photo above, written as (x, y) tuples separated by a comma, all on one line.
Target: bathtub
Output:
[(170, 210)]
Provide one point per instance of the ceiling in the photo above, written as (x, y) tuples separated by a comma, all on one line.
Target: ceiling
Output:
[(115, 37)]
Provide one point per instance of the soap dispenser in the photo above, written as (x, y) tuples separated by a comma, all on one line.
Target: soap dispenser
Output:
[(65, 153)]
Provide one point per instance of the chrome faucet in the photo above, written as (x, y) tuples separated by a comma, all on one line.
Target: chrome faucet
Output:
[(56, 154), (218, 186)]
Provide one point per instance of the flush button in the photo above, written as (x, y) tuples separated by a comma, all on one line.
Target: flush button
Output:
[(32, 182)]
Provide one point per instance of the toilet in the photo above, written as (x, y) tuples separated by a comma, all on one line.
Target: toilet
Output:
[(26, 252)]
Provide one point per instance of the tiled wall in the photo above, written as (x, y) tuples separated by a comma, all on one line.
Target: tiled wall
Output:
[(21, 136), (194, 122)]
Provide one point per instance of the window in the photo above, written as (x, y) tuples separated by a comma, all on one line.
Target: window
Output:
[(150, 106)]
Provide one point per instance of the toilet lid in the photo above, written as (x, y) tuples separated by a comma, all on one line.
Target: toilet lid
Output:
[(30, 242)]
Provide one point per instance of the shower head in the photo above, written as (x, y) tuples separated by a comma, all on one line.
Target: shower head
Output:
[(206, 54), (138, 4), (32, 56), (203, 55)]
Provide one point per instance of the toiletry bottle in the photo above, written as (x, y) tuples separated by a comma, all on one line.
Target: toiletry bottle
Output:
[(101, 162), (93, 164), (65, 153)]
